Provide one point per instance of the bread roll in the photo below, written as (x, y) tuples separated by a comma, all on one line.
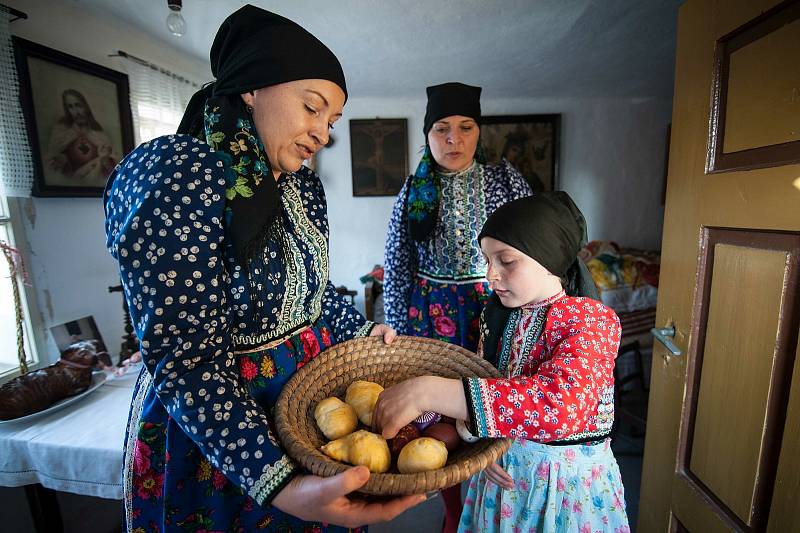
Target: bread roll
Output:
[(421, 455), (335, 418), (361, 448), (363, 395)]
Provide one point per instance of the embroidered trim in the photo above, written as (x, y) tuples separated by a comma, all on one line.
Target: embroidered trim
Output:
[(604, 419), (296, 290), (145, 382), (273, 478), (589, 438), (530, 338), (365, 330), (293, 314), (453, 251), (547, 301), (264, 341), (455, 279), (583, 435), (507, 339), (480, 398)]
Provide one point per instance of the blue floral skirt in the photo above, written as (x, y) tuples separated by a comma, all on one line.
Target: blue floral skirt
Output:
[(557, 489), (173, 487), (447, 311)]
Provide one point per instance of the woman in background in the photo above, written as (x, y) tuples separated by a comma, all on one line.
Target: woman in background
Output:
[(435, 274)]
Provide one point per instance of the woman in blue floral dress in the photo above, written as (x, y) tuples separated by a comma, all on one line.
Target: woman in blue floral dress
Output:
[(435, 276), (435, 282), (222, 241)]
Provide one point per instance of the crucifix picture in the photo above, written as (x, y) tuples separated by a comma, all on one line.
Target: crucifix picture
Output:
[(379, 154)]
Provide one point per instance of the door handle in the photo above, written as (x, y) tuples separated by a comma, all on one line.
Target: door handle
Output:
[(665, 336)]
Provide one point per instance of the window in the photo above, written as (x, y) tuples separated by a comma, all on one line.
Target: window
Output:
[(158, 97), (9, 362), (16, 178)]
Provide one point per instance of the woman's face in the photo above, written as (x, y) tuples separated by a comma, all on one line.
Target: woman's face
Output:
[(294, 119), (515, 277), (453, 141)]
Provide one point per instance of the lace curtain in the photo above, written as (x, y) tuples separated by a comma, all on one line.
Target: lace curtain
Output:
[(158, 99), (16, 165)]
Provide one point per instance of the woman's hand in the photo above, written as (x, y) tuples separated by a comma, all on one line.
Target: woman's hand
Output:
[(385, 331), (498, 476), (318, 499)]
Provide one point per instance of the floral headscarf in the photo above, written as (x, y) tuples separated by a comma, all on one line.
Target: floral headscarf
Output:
[(250, 188)]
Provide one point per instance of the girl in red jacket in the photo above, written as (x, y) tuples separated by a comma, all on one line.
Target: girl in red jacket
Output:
[(556, 349)]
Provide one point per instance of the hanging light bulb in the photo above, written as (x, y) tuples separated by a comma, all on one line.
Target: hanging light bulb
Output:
[(175, 22)]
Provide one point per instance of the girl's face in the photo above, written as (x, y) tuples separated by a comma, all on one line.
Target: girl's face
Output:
[(515, 277), (294, 119), (453, 141)]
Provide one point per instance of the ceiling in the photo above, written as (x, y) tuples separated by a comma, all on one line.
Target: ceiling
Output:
[(512, 48)]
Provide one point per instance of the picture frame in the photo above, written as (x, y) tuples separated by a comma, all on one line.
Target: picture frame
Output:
[(531, 143), (78, 118), (81, 329), (379, 155)]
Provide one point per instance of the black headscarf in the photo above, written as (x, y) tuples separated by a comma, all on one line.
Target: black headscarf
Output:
[(450, 99), (253, 49), (422, 200), (551, 229)]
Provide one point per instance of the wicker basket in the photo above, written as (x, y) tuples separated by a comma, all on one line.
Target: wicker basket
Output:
[(330, 373)]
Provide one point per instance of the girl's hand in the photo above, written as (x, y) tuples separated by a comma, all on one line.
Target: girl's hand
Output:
[(382, 330), (499, 477), (318, 499), (398, 406)]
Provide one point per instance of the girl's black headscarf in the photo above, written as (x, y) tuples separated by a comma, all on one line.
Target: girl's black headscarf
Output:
[(422, 200), (551, 229), (253, 48)]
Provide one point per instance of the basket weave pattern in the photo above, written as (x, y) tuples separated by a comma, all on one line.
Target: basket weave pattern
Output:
[(330, 373)]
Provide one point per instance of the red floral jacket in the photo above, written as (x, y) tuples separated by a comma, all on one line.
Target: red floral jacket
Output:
[(558, 356)]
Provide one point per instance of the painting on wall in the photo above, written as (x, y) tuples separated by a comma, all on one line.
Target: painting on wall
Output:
[(379, 155), (529, 142), (78, 117)]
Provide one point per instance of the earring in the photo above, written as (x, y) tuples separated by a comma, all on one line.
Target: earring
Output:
[(249, 109)]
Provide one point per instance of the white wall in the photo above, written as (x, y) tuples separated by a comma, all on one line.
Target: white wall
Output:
[(612, 157), (70, 266), (611, 162)]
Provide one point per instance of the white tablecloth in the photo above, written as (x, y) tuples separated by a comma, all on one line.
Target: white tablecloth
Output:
[(75, 449)]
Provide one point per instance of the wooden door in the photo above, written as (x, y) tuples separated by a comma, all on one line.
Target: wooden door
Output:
[(722, 451)]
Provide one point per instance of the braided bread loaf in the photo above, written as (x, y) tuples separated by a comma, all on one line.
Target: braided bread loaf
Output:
[(38, 390)]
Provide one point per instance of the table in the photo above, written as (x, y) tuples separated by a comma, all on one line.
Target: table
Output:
[(76, 449)]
